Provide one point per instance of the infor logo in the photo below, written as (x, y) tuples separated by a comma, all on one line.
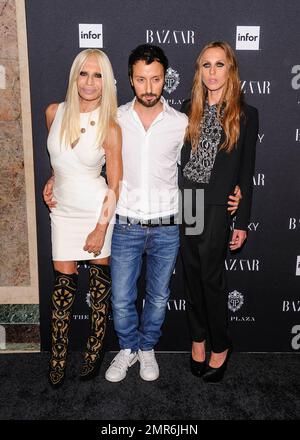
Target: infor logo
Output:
[(247, 37), (90, 35)]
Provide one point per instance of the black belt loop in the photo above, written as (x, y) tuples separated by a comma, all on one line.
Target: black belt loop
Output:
[(151, 223)]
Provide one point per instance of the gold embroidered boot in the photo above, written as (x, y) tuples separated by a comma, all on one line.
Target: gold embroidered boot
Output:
[(100, 289), (62, 300)]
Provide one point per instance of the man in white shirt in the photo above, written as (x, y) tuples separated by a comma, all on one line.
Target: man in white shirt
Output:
[(152, 134)]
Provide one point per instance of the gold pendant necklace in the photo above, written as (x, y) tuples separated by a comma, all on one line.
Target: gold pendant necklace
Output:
[(92, 123), (84, 129)]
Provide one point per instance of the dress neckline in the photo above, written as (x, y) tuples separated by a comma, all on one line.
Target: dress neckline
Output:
[(92, 111)]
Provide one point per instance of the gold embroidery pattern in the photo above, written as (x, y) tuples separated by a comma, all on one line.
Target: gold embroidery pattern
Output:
[(100, 289), (62, 300)]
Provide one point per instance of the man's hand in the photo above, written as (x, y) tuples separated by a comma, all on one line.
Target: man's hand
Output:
[(48, 194), (237, 239), (233, 201)]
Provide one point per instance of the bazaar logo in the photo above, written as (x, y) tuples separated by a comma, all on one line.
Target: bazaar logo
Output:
[(168, 36)]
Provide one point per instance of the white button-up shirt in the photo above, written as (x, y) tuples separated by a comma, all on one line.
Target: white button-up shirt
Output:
[(150, 187)]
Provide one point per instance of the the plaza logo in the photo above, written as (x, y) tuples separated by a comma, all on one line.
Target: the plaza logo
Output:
[(296, 79), (291, 306), (172, 80), (81, 317), (244, 265), (294, 223), (247, 37), (173, 102), (167, 36), (298, 266), (90, 35), (295, 342), (242, 319), (256, 87), (259, 179), (235, 300)]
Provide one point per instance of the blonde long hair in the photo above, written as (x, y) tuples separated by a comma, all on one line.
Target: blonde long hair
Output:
[(230, 101), (70, 127)]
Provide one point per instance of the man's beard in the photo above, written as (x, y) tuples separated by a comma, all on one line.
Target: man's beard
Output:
[(148, 103)]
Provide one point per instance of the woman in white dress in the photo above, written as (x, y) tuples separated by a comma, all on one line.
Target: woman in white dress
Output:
[(83, 135)]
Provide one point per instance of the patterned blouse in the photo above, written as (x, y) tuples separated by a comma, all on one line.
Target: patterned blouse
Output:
[(200, 165)]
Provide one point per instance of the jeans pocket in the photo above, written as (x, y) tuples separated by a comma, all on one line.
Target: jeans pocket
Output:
[(121, 227)]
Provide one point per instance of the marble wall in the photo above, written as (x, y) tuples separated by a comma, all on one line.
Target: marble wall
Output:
[(19, 314)]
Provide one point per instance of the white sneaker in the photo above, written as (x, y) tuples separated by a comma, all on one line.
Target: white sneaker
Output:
[(148, 366), (119, 365)]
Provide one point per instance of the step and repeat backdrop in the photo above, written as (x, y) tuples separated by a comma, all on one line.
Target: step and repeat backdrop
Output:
[(264, 278)]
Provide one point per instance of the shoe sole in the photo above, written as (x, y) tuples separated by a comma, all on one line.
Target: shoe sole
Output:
[(114, 380), (149, 380)]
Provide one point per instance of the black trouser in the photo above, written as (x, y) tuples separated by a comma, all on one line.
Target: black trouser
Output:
[(203, 259)]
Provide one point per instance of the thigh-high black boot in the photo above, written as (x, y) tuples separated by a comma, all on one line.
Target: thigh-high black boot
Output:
[(62, 300), (100, 289)]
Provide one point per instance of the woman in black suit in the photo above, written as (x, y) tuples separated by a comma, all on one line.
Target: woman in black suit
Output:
[(218, 153)]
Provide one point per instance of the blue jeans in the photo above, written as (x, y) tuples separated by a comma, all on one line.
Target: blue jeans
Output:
[(129, 243)]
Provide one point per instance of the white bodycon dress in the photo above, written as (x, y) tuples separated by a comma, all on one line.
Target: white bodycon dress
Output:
[(79, 190)]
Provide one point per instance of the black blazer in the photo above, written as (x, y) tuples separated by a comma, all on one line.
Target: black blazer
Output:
[(230, 169)]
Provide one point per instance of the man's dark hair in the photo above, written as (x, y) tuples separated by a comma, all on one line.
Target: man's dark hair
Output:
[(147, 53)]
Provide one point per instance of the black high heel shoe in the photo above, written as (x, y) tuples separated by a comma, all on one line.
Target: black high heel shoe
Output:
[(197, 368), (214, 375)]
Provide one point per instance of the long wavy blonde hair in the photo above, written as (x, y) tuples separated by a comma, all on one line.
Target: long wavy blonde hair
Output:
[(230, 101), (70, 127)]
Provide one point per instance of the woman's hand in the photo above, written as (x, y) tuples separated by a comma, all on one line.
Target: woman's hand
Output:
[(237, 239), (95, 241), (234, 201), (48, 194)]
